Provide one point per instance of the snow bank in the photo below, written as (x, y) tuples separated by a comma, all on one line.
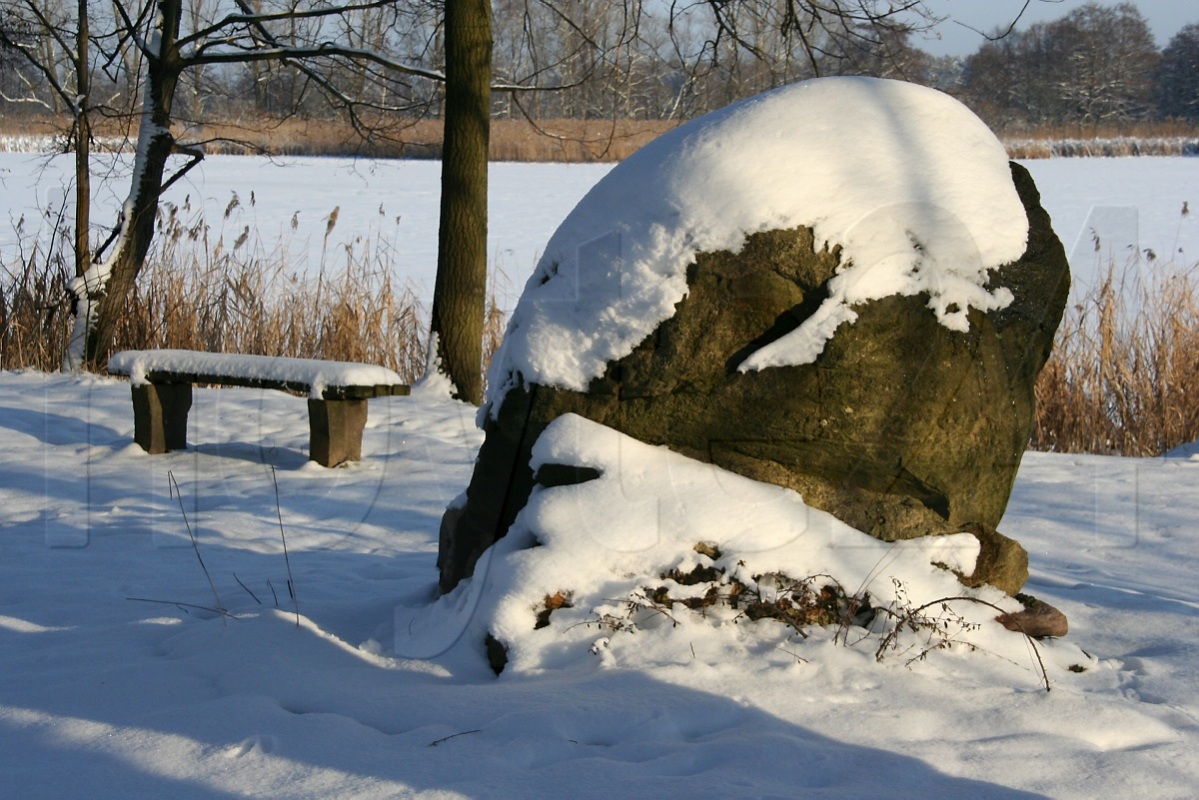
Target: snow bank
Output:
[(605, 545), (319, 375), (908, 182)]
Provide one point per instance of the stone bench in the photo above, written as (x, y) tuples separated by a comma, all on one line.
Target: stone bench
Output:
[(337, 393)]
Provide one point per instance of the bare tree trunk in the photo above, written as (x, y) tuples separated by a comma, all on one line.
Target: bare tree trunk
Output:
[(101, 292), (460, 289), (48, 57), (83, 141)]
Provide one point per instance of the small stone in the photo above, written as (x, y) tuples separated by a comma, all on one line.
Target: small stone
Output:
[(1038, 620)]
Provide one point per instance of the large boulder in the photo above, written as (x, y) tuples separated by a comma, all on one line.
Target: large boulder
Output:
[(901, 425)]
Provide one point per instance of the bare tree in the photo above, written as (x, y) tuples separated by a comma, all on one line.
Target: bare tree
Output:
[(151, 35), (83, 141), (1178, 76), (1108, 58), (61, 59), (730, 49), (1095, 64)]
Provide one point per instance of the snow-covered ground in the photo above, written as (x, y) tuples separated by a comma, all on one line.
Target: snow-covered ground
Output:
[(1132, 204), (114, 687), (390, 203), (233, 620)]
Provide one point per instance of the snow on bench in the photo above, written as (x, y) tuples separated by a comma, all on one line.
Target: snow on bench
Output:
[(337, 394)]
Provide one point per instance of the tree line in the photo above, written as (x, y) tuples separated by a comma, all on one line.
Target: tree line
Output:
[(1097, 64), (586, 59), (619, 59)]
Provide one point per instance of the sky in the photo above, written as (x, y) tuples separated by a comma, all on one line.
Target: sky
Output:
[(1165, 18)]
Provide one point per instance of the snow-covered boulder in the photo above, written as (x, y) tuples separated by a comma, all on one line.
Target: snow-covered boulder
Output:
[(841, 287)]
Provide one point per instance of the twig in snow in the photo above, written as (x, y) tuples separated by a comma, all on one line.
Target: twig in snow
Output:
[(291, 585), (451, 736), (247, 588), (183, 606), (912, 618), (195, 543)]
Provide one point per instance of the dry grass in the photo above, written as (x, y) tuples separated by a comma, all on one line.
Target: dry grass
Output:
[(1101, 148), (1124, 374), (230, 298), (511, 139), (568, 140), (573, 140), (226, 297), (34, 317), (1107, 140)]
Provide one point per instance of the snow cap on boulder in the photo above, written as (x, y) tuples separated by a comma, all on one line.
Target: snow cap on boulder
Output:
[(908, 182)]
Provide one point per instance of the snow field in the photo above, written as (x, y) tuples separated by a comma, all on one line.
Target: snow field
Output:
[(150, 698), (126, 669), (1132, 204)]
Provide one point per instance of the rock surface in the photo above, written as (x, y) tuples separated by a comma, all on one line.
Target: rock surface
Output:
[(901, 428)]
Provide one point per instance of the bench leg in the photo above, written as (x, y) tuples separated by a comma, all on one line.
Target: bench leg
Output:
[(335, 428), (160, 416)]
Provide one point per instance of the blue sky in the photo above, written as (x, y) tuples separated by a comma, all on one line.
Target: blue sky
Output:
[(1165, 18)]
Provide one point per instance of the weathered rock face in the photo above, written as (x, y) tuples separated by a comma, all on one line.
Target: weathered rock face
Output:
[(901, 428)]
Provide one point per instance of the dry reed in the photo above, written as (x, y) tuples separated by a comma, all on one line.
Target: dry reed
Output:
[(563, 140), (511, 140), (1124, 374), (219, 297), (34, 315), (1162, 138), (225, 297)]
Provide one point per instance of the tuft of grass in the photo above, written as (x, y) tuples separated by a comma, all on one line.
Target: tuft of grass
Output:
[(35, 316), (196, 294)]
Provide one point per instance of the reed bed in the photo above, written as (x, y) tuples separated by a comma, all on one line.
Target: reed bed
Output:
[(35, 318), (1163, 138), (1123, 146), (560, 140), (1124, 374), (225, 296), (1123, 377), (245, 301), (567, 140)]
